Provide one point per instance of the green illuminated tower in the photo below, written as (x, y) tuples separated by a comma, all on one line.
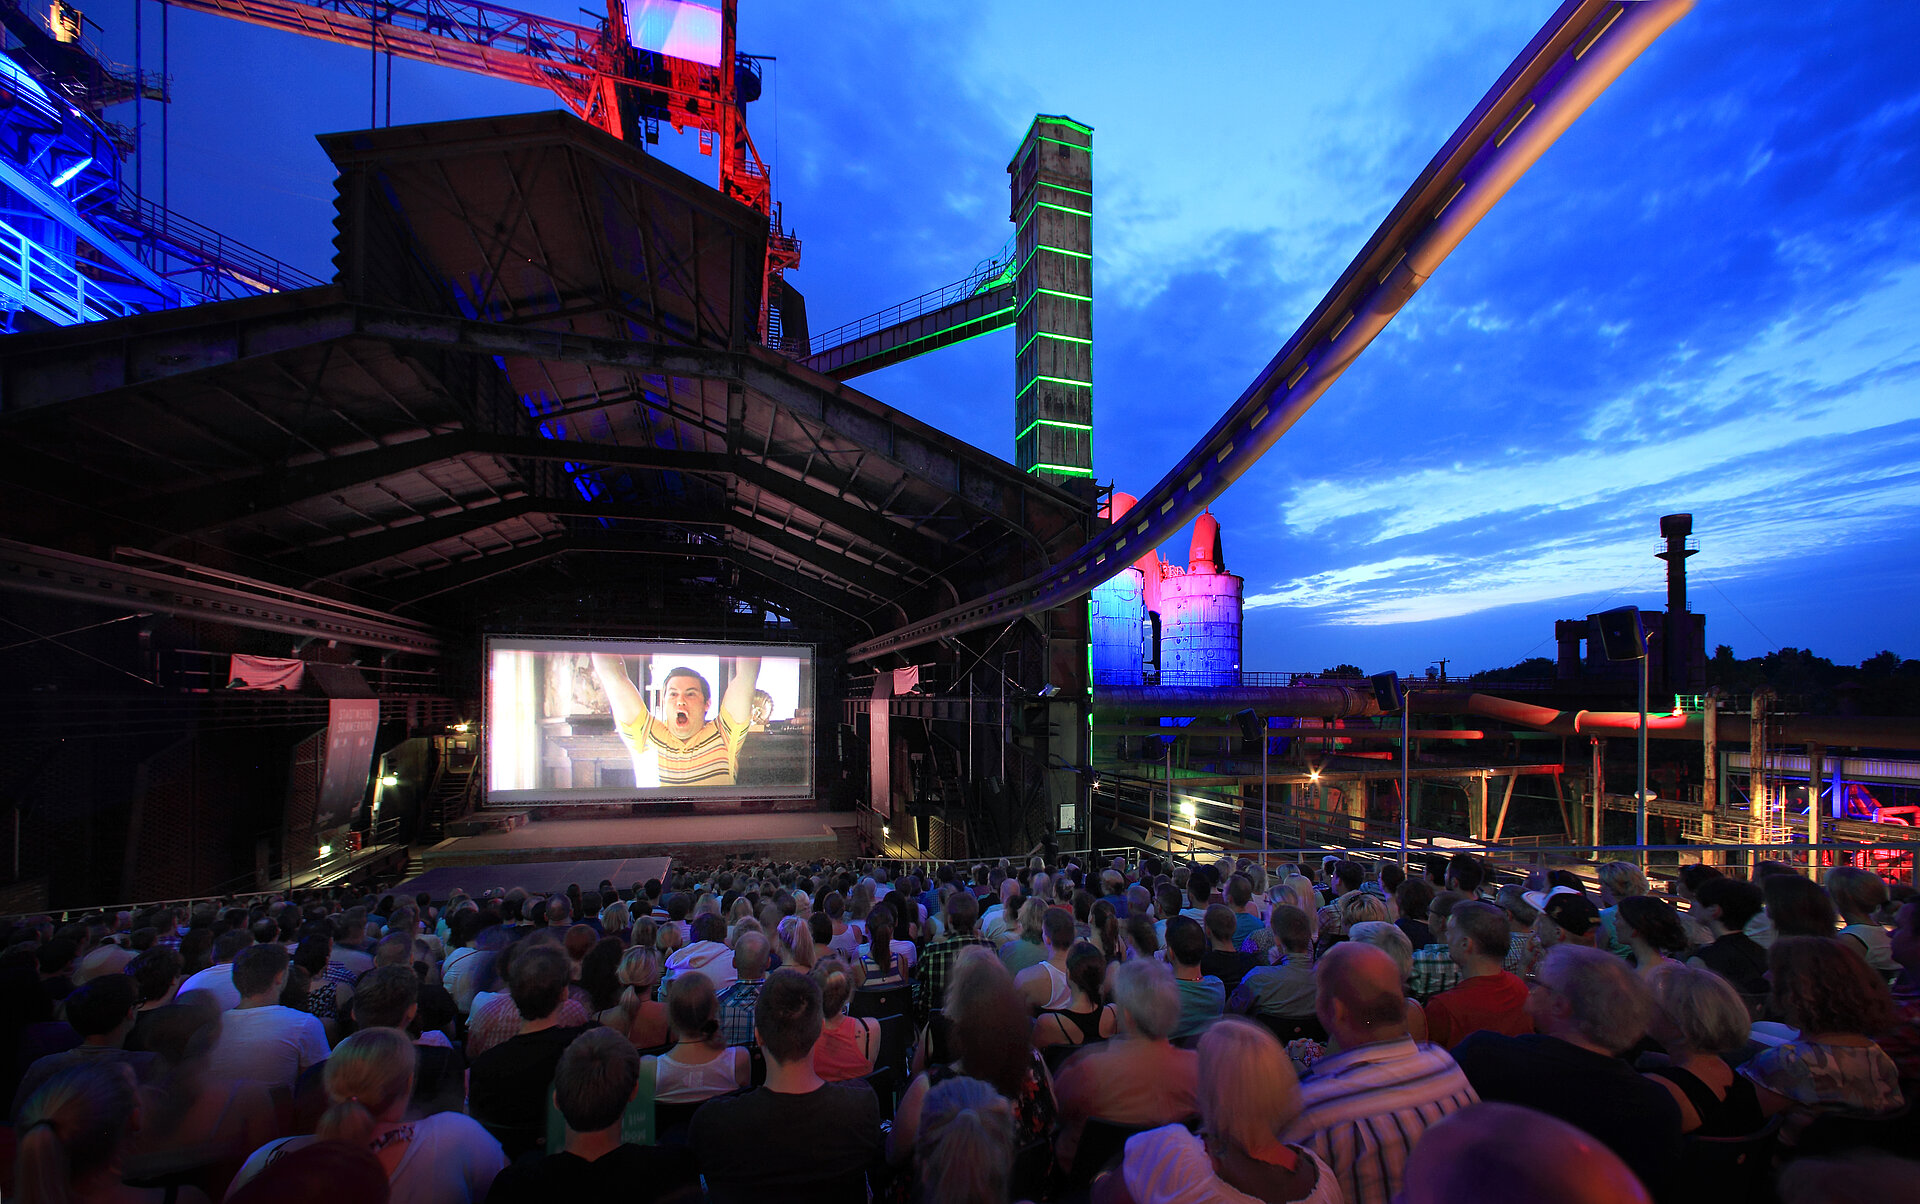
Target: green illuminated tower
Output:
[(1053, 295)]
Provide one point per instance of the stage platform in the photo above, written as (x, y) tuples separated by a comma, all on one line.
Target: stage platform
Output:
[(542, 847)]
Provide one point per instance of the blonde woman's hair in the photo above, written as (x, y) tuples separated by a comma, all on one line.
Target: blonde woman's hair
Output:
[(742, 909), (836, 984), (1033, 915), (69, 1128), (1701, 1006), (616, 918), (366, 1074), (709, 905), (1248, 1091), (794, 940), (1299, 892), (639, 967), (965, 1147), (669, 938), (1382, 935), (1361, 907), (1622, 879)]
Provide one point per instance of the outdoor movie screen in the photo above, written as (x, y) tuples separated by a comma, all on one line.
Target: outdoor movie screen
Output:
[(588, 720)]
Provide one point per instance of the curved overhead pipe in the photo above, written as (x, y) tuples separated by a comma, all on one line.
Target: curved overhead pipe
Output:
[(1328, 702), (1549, 719), (1581, 50)]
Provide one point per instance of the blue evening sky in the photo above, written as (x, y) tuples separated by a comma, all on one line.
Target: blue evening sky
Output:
[(1705, 297)]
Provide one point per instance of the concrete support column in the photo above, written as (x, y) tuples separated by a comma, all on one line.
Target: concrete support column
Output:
[(1816, 770), (1710, 772)]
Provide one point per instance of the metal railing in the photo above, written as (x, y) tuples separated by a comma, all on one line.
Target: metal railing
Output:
[(985, 275), (35, 278)]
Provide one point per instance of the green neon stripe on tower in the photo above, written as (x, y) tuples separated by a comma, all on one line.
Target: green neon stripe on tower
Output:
[(1058, 380), (1056, 250), (1065, 426), (1064, 188), (1067, 470), (1050, 205), (1062, 142), (1050, 292), (1058, 338)]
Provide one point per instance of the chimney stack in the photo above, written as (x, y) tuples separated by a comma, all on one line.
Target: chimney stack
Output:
[(1675, 528)]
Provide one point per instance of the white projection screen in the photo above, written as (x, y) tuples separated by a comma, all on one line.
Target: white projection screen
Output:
[(594, 721)]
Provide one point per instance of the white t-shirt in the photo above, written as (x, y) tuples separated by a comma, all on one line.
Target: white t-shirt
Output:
[(451, 1160), (271, 1044), (219, 981)]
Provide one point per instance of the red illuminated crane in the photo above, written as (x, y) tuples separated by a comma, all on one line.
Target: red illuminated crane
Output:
[(595, 70)]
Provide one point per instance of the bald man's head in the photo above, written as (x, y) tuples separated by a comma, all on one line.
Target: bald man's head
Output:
[(1506, 1154), (751, 954), (1358, 995)]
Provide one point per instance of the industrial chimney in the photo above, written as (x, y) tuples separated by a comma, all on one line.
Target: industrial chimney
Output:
[(1675, 528)]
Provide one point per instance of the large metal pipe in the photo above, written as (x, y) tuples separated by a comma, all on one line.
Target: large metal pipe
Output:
[(1580, 50), (1332, 702)]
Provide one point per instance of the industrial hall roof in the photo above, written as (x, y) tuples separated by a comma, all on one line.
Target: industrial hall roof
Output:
[(535, 375)]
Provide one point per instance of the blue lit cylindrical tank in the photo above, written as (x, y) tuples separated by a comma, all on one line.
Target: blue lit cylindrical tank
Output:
[(1200, 616), (1117, 616)]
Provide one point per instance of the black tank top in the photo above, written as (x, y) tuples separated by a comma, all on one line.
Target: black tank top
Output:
[(1736, 1116), (1087, 1022)]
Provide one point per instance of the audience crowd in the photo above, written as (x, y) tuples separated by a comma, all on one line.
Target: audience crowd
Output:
[(1046, 1030)]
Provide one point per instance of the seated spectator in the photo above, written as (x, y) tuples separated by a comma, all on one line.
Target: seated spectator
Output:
[(1139, 937), (1203, 998), (751, 954), (190, 1120), (595, 1081), (1366, 1105), (1223, 959), (885, 960), (1083, 1019), (1700, 1022), (507, 1085), (497, 1018), (1826, 991), (1413, 897), (1859, 894), (793, 944), (991, 1034), (156, 978), (1618, 880), (700, 1064), (1686, 891), (600, 980), (1434, 969), (1796, 906), (936, 960), (1588, 1008), (1726, 906), (464, 957), (389, 997), (847, 1044), (1283, 991), (707, 953), (1044, 984), (327, 999), (1567, 917), (1503, 1154), (218, 978), (1389, 939), (369, 1080), (73, 1135), (1346, 880), (1248, 1098), (1489, 998), (645, 1023), (1651, 930), (1103, 929), (1138, 1078), (964, 1153), (260, 1039), (1246, 912), (797, 1138), (101, 1012), (322, 1173), (1523, 952)]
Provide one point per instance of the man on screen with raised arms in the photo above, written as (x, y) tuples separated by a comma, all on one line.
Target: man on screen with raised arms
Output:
[(692, 750)]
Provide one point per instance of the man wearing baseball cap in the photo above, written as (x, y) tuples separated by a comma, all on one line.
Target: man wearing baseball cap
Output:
[(1572, 918)]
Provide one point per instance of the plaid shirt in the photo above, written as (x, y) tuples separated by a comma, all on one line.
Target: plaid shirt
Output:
[(736, 1011), (1434, 971), (936, 968)]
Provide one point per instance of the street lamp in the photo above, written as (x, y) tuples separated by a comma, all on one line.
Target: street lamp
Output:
[(1623, 638)]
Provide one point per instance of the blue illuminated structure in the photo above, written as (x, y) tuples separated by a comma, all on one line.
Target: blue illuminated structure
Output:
[(75, 246)]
